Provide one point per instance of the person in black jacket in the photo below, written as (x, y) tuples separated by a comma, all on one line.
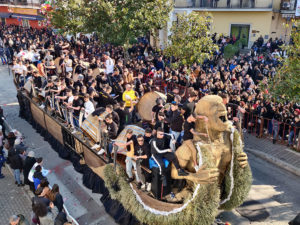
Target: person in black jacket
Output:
[(160, 148), (16, 164), (58, 199), (28, 164), (175, 120)]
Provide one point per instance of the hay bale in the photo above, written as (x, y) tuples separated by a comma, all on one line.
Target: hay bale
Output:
[(146, 104)]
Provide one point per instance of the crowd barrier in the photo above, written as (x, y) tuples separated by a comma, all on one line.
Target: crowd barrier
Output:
[(270, 128), (72, 148)]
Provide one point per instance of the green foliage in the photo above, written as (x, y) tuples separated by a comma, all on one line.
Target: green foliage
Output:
[(242, 179), (230, 51), (68, 16), (285, 86), (115, 21), (202, 210), (190, 39)]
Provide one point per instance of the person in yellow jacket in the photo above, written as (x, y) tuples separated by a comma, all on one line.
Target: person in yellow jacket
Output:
[(130, 99)]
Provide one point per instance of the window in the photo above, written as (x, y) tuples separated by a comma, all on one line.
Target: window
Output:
[(240, 32)]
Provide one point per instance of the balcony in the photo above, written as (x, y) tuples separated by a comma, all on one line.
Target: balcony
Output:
[(226, 5), (21, 3), (288, 8)]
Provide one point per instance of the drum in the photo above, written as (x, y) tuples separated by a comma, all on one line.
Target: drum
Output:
[(146, 104)]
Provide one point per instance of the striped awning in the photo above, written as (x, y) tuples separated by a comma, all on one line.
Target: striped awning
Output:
[(5, 15), (26, 17)]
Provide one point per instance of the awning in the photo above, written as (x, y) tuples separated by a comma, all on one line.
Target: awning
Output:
[(26, 17), (4, 15)]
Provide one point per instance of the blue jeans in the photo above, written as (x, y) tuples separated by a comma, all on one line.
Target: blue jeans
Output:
[(291, 137), (175, 134), (17, 174), (275, 129), (1, 164), (129, 164)]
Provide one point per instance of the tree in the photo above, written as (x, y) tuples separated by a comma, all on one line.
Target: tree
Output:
[(115, 21), (285, 85), (68, 15), (190, 40)]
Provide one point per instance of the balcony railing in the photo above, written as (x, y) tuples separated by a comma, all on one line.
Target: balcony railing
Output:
[(288, 5), (21, 2), (224, 4)]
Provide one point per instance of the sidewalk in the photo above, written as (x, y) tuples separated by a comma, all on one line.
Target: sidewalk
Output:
[(13, 199), (277, 154)]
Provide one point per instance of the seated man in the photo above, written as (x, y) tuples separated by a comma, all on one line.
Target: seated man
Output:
[(131, 141), (160, 148), (142, 154)]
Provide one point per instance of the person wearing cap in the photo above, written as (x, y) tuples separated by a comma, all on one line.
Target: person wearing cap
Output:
[(28, 164), (171, 95), (175, 120)]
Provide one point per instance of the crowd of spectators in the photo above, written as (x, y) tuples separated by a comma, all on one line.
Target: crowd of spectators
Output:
[(47, 203), (80, 73)]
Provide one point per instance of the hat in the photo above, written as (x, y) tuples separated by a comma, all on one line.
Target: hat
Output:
[(106, 53), (80, 77), (31, 154), (174, 103), (297, 110)]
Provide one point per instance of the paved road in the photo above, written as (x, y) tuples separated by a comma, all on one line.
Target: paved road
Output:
[(275, 189), (13, 199)]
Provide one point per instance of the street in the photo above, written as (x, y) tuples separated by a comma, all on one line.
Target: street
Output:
[(274, 190)]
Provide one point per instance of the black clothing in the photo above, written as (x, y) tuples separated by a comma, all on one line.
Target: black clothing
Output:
[(170, 97), (134, 139), (156, 109), (15, 160), (160, 145), (28, 164), (122, 117), (140, 150), (58, 202), (112, 129), (187, 130), (189, 108), (176, 121), (77, 103), (35, 200), (163, 125)]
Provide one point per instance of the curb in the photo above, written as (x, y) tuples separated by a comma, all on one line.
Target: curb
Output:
[(275, 161)]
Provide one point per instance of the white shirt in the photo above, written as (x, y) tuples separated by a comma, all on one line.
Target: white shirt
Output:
[(71, 99), (109, 63), (89, 108), (31, 172)]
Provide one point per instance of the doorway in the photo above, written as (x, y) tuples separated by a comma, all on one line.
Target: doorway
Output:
[(240, 32)]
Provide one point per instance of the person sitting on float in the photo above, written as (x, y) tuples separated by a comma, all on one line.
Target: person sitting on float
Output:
[(161, 148)]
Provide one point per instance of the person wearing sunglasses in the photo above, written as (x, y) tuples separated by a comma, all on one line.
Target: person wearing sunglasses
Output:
[(161, 148)]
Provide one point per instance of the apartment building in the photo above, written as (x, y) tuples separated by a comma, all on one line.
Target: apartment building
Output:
[(21, 12), (248, 19)]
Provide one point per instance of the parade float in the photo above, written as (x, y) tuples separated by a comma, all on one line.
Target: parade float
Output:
[(222, 181)]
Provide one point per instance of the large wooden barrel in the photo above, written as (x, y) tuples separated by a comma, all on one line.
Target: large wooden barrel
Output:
[(146, 104)]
